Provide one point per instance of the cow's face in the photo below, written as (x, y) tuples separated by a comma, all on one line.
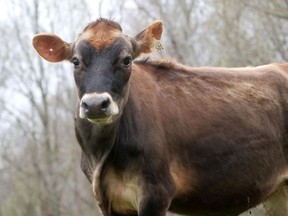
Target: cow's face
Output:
[(102, 58)]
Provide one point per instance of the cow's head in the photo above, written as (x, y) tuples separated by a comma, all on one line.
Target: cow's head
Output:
[(102, 58)]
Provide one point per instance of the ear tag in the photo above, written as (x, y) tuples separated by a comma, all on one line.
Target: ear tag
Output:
[(156, 46)]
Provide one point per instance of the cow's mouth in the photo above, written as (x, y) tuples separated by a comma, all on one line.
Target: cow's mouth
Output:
[(101, 121)]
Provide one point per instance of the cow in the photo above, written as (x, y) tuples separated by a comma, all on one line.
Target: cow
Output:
[(159, 136)]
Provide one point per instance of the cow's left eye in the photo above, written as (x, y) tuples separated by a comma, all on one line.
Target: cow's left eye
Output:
[(127, 61)]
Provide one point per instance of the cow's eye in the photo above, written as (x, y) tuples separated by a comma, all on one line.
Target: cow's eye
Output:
[(76, 62), (127, 61)]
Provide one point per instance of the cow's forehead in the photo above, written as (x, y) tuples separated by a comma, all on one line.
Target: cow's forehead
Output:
[(101, 34)]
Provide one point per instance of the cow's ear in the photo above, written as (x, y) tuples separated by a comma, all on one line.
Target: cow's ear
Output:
[(51, 47), (148, 40)]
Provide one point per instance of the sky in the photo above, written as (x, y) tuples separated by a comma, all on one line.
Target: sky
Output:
[(3, 10)]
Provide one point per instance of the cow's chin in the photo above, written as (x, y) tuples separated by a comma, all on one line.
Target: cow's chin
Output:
[(102, 121)]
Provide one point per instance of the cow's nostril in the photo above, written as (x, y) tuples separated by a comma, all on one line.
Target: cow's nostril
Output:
[(84, 105), (105, 104)]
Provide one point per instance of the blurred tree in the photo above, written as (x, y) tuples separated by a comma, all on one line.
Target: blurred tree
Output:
[(40, 157), (245, 35), (275, 8)]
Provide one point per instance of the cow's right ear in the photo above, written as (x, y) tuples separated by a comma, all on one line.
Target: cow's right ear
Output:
[(51, 47), (148, 40)]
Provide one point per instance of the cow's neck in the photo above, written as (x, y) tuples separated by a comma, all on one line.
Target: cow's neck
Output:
[(101, 141)]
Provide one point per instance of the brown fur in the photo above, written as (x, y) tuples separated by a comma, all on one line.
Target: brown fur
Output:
[(230, 105), (101, 33)]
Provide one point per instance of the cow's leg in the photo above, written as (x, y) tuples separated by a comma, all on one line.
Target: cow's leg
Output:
[(277, 204), (116, 214), (158, 189), (151, 206), (156, 200)]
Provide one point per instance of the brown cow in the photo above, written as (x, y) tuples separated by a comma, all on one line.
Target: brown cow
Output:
[(157, 136)]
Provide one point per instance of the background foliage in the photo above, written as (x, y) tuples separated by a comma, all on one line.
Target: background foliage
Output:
[(39, 156)]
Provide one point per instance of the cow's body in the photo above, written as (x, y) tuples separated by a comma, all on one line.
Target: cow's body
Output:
[(199, 141)]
